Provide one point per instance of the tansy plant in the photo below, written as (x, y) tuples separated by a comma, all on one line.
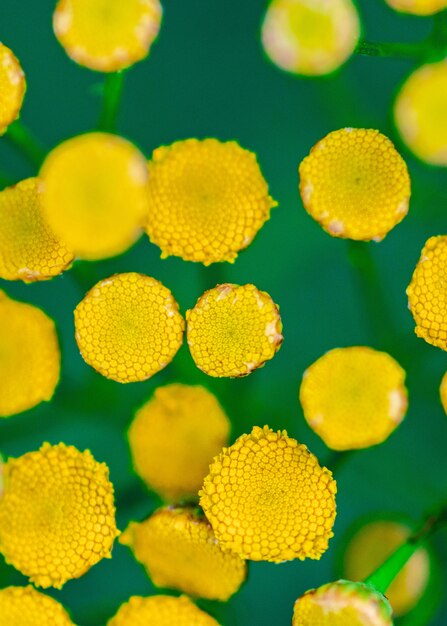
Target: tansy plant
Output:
[(24, 606)]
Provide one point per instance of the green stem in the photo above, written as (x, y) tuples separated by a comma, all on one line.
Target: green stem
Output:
[(212, 275), (24, 140), (396, 50), (113, 90)]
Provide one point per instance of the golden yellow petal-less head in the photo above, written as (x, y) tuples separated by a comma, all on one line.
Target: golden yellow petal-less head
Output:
[(268, 499), (128, 327), (418, 7), (12, 88), (354, 397), (208, 199), (24, 606), (95, 194), (161, 611), (443, 392), (175, 436), (107, 35), (355, 184), (233, 330), (29, 356)]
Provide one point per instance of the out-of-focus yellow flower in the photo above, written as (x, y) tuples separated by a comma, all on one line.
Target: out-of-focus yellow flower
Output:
[(12, 88), (354, 397), (355, 184), (161, 611), (268, 499), (310, 37), (175, 436), (233, 330), (57, 516), (208, 199), (29, 356), (24, 606), (107, 35), (29, 250), (179, 550), (443, 392), (95, 194), (418, 7), (419, 112)]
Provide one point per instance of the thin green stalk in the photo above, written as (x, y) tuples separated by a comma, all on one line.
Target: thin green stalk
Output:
[(112, 94), (25, 141), (212, 275)]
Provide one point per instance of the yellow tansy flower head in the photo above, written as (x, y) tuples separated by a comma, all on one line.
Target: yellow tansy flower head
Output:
[(107, 35), (175, 436), (208, 199), (161, 611), (311, 37), (57, 515), (12, 88), (233, 330), (355, 184), (29, 356), (128, 327), (443, 392), (354, 397), (342, 603), (95, 194), (268, 499), (418, 7), (24, 606)]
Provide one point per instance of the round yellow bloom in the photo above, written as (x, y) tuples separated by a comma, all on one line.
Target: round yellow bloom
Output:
[(12, 88), (418, 7), (128, 327), (208, 199), (24, 606), (354, 397), (95, 194), (355, 184), (310, 37), (175, 436), (29, 356), (107, 35), (233, 330), (268, 499), (161, 611), (179, 550), (419, 112), (57, 516), (443, 392)]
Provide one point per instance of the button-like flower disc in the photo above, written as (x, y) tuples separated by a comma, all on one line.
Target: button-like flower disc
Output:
[(12, 88), (268, 499), (107, 35), (95, 194), (355, 184), (208, 199), (418, 7), (128, 327), (179, 550), (57, 516), (310, 37), (161, 611), (354, 397), (24, 606), (29, 250), (419, 113), (175, 436), (443, 392), (233, 330), (29, 356)]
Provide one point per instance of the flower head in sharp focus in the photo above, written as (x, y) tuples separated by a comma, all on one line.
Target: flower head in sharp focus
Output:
[(24, 606), (162, 611), (418, 7), (355, 184), (12, 88)]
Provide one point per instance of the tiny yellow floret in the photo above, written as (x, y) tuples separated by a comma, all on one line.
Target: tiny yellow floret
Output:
[(175, 436), (443, 392), (29, 356), (57, 514), (233, 330), (310, 37), (208, 199), (161, 611), (12, 88), (268, 499), (128, 327), (355, 184), (418, 7), (95, 194), (107, 35), (24, 606), (354, 397)]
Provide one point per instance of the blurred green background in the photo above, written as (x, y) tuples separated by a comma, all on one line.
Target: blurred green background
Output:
[(207, 76)]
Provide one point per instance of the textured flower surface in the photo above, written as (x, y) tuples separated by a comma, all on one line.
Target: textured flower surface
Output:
[(95, 194), (310, 36), (128, 327), (208, 199), (354, 397), (233, 330), (24, 606), (179, 550), (29, 356), (268, 499), (12, 88), (418, 7), (175, 436), (57, 515), (107, 35), (355, 184), (161, 611)]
